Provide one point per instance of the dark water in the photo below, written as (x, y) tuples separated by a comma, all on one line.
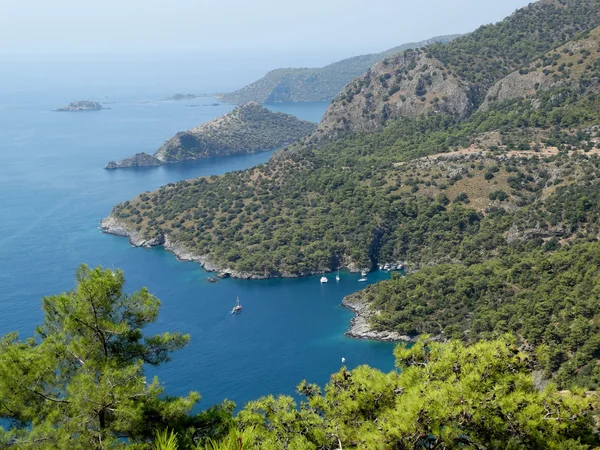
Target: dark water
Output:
[(53, 192)]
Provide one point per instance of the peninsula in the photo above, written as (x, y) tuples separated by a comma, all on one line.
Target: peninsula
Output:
[(83, 105), (249, 128)]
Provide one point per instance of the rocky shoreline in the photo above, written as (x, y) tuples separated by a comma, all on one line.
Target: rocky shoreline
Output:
[(360, 327), (111, 225)]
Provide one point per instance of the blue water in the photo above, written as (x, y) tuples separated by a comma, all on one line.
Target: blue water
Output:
[(54, 191)]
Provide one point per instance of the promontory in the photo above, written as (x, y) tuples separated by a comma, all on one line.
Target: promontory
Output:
[(83, 105), (249, 128)]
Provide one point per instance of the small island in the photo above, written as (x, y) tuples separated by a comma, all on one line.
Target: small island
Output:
[(249, 128), (83, 105), (179, 97)]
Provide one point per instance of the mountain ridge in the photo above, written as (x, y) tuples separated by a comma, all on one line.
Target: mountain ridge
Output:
[(314, 84)]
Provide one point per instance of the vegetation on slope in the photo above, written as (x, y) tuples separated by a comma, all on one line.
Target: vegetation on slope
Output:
[(354, 203), (79, 384), (548, 298), (314, 84), (493, 51)]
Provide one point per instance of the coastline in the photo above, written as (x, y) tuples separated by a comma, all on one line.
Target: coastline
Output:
[(111, 225), (360, 327)]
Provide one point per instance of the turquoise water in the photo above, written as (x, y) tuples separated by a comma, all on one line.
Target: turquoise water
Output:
[(53, 194)]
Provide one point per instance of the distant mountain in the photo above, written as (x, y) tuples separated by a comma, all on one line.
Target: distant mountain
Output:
[(248, 128), (83, 105), (315, 84)]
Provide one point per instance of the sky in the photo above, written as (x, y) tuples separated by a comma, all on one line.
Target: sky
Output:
[(333, 27)]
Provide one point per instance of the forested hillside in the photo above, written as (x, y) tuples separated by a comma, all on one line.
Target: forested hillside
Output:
[(514, 174)]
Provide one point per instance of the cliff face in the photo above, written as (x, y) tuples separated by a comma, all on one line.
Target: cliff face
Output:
[(248, 128), (315, 84), (405, 85)]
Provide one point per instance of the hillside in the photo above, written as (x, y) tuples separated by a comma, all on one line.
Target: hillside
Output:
[(366, 197), (459, 193), (314, 84), (456, 77), (248, 128)]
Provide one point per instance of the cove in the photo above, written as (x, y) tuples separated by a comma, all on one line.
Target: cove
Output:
[(54, 193)]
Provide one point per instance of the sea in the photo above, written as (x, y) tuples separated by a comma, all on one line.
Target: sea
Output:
[(54, 191)]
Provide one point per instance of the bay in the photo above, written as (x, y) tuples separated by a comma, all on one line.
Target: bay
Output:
[(53, 193)]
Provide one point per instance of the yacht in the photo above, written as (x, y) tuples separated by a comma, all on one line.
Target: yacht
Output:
[(364, 273), (363, 280), (324, 279), (237, 308)]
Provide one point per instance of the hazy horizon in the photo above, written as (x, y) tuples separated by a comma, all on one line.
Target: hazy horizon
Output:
[(336, 29)]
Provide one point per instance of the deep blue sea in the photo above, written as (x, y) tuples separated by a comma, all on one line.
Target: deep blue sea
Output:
[(54, 191)]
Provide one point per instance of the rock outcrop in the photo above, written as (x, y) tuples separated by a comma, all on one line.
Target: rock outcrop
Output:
[(360, 326), (137, 160)]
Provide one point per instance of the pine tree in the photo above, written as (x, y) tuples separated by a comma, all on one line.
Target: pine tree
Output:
[(79, 383)]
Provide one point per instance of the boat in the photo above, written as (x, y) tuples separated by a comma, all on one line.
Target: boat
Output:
[(363, 280), (386, 266), (364, 273), (237, 308), (324, 279), (337, 277)]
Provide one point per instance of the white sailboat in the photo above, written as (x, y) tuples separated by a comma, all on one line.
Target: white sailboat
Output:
[(337, 277), (237, 308)]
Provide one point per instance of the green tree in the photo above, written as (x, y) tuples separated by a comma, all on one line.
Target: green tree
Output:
[(79, 383), (445, 396)]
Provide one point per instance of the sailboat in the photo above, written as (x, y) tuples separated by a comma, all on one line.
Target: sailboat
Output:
[(237, 308), (337, 277)]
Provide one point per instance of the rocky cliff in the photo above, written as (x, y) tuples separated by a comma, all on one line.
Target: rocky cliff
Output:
[(248, 128), (405, 85)]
